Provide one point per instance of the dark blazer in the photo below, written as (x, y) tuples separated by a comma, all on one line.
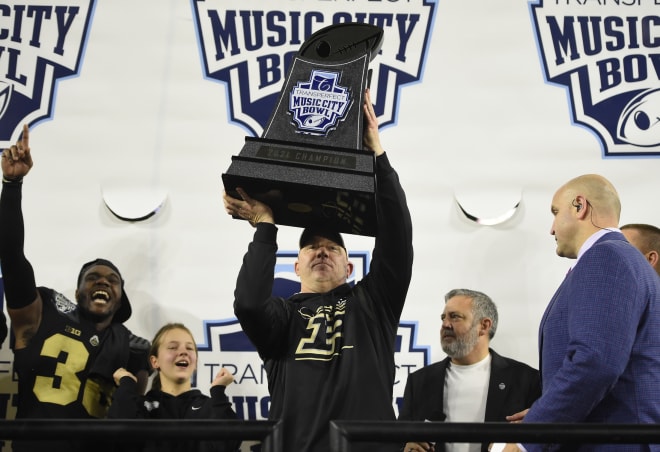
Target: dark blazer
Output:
[(513, 387)]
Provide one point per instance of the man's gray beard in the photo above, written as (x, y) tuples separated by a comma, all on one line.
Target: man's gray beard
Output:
[(461, 346)]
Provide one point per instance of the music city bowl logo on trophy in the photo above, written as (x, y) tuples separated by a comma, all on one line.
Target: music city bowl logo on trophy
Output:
[(318, 104), (606, 54), (309, 165), (40, 43)]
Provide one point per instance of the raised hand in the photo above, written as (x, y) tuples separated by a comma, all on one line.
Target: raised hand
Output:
[(17, 160), (223, 377), (370, 136), (248, 208)]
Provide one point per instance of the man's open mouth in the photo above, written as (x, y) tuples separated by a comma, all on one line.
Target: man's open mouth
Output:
[(101, 295)]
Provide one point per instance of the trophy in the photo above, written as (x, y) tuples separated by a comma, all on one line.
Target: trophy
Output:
[(309, 165)]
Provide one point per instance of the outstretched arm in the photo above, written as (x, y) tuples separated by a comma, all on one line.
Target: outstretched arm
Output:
[(259, 316), (23, 300), (391, 268)]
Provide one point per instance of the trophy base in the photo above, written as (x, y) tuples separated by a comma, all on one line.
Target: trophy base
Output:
[(307, 184)]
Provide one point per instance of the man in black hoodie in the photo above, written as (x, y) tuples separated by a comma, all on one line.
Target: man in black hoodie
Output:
[(328, 350)]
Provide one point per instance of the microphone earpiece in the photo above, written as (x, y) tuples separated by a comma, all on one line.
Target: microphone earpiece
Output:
[(578, 207)]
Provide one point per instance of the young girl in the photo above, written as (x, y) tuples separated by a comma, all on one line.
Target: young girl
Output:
[(174, 355)]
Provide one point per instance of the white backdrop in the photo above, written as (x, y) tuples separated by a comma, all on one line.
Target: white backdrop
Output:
[(482, 126)]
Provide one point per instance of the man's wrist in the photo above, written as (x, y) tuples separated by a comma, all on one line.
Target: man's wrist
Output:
[(12, 180)]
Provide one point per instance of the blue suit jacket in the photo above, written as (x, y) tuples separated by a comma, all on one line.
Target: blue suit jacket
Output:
[(599, 343), (513, 387)]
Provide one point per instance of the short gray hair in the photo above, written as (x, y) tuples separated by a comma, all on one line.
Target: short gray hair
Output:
[(482, 306)]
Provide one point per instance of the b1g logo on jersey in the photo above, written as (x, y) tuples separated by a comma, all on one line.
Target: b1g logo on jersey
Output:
[(40, 43), (250, 50), (606, 54), (319, 104)]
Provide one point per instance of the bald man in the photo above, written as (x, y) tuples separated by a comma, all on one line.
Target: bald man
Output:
[(599, 338), (646, 238)]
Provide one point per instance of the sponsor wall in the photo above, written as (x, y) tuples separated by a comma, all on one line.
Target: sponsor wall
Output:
[(135, 109)]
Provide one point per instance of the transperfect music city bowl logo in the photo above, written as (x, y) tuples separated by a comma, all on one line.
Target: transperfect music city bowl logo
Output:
[(226, 345), (606, 54), (251, 49), (319, 104), (40, 43)]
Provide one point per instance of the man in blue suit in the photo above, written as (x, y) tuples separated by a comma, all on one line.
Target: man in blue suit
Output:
[(599, 338), (473, 384)]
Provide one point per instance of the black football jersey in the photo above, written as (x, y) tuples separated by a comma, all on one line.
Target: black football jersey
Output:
[(66, 370)]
